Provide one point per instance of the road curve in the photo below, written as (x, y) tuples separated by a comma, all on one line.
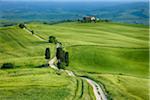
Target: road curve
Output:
[(98, 92), (51, 63)]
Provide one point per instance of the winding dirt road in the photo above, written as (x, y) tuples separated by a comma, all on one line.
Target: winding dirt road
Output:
[(27, 30), (98, 92)]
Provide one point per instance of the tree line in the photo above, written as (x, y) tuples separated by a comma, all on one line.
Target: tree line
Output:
[(61, 55), (23, 26)]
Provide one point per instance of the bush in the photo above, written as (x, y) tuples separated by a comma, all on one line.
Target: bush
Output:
[(52, 39), (58, 72), (7, 66), (32, 32), (22, 26), (60, 65)]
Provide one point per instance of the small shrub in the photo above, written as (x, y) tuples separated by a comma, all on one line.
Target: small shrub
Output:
[(60, 65), (58, 72), (52, 39), (120, 74), (32, 32), (7, 66), (22, 26)]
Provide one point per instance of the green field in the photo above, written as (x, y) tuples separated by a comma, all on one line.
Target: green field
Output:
[(115, 55)]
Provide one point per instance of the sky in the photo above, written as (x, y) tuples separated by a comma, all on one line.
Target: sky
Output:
[(80, 0)]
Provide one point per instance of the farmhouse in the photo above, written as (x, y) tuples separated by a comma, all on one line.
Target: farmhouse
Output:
[(89, 19)]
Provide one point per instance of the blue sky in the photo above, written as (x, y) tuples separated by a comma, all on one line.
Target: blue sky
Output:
[(79, 0)]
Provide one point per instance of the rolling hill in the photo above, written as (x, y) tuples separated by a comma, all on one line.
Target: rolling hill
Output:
[(115, 55), (121, 11)]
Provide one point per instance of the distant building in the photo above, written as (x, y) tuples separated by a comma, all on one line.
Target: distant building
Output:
[(89, 19)]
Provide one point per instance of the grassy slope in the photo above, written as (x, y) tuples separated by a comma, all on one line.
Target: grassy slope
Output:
[(119, 50), (35, 84), (21, 48), (26, 51)]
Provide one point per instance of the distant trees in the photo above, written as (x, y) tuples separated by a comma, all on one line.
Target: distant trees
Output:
[(92, 19), (52, 39), (57, 22), (78, 20), (24, 26), (103, 20), (7, 66)]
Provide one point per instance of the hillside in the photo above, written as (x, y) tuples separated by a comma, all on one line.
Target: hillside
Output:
[(27, 81), (121, 11), (115, 55), (21, 48), (89, 45), (110, 53)]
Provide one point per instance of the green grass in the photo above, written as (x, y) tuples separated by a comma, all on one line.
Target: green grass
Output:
[(31, 84), (102, 47), (121, 87), (119, 60), (106, 48), (42, 83), (115, 55), (83, 90), (21, 48)]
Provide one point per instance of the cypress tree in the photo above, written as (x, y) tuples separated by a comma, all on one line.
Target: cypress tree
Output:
[(66, 58), (58, 53), (47, 53)]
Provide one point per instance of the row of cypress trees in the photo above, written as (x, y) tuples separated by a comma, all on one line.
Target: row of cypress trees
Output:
[(63, 58), (61, 55)]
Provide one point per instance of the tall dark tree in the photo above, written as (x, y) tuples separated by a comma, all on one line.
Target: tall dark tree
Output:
[(47, 56), (59, 53), (78, 20), (60, 65), (67, 58), (47, 53)]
